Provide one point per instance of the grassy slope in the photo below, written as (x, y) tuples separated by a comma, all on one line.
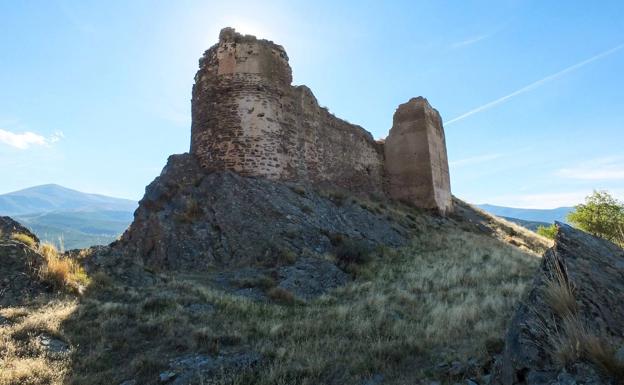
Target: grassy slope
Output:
[(440, 299)]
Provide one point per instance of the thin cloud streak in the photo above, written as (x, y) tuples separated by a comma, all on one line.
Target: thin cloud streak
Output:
[(535, 84), (475, 160), (470, 41), (595, 170)]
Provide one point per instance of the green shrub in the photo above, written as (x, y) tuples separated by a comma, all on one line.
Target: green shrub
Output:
[(547, 231), (601, 215)]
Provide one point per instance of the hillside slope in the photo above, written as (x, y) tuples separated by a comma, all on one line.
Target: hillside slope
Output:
[(52, 197), (68, 218), (77, 229), (390, 315)]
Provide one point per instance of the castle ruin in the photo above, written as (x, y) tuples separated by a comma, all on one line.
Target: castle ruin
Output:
[(248, 118)]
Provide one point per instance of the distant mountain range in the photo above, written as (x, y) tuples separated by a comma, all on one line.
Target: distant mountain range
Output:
[(52, 197), (547, 216), (68, 218)]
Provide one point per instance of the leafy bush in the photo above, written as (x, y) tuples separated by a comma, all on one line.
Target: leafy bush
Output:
[(601, 215), (549, 232)]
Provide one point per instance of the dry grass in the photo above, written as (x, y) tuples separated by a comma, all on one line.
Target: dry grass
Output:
[(513, 233), (282, 296), (25, 239), (559, 291), (61, 272), (570, 339), (574, 341), (444, 297), (22, 359)]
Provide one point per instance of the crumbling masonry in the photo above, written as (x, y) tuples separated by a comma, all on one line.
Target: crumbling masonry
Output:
[(248, 118)]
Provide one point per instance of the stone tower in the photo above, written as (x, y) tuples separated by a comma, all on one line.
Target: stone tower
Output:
[(248, 118), (415, 157)]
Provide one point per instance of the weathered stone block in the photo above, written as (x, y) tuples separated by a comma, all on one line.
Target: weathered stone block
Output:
[(415, 156)]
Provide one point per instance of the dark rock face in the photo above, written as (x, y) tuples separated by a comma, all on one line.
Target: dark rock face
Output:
[(191, 218), (196, 368), (594, 269), (17, 262), (9, 226), (311, 277)]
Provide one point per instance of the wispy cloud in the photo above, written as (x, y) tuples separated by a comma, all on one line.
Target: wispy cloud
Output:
[(27, 139), (475, 160), (535, 84), (469, 41), (611, 168)]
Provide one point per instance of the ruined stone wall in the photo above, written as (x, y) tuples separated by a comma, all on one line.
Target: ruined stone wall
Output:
[(248, 118), (415, 156)]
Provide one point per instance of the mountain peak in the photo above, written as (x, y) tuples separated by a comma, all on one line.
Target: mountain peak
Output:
[(52, 197)]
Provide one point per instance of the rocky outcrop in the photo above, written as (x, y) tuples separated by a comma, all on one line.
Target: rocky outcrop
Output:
[(8, 227), (571, 326), (17, 261), (248, 118), (192, 218), (415, 155)]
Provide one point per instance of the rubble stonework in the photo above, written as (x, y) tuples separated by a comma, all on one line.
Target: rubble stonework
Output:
[(248, 118)]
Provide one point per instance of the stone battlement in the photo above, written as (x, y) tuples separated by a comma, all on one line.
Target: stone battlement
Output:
[(248, 118)]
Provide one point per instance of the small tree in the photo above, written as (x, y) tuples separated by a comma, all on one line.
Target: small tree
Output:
[(601, 215), (547, 231)]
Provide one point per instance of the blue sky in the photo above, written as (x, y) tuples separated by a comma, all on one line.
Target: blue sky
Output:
[(96, 95)]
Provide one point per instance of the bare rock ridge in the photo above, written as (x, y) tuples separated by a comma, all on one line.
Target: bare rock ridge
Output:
[(573, 317), (248, 118), (17, 261), (192, 218)]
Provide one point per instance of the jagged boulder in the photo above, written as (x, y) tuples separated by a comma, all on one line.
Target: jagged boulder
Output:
[(17, 261), (193, 218), (9, 227), (571, 326)]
